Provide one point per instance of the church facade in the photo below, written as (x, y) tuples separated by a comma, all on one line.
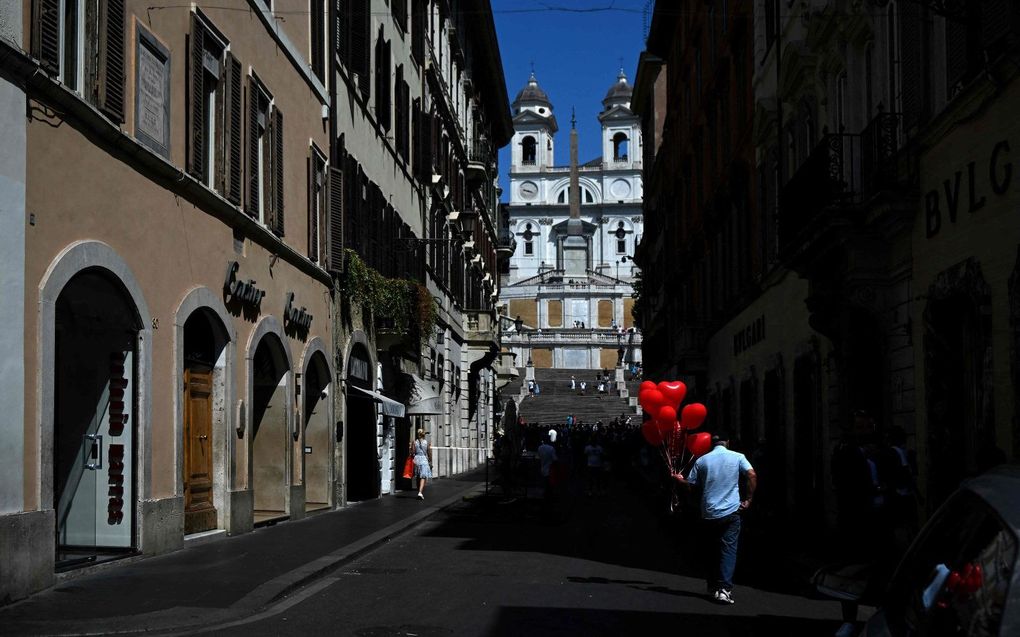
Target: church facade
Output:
[(571, 276)]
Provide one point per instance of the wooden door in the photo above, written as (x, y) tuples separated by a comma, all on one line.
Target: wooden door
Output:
[(199, 512)]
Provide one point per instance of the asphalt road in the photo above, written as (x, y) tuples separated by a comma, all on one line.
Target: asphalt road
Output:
[(612, 565)]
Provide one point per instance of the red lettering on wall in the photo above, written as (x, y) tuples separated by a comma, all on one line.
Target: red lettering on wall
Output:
[(115, 506)]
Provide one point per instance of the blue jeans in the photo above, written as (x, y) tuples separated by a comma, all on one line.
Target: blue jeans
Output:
[(724, 533)]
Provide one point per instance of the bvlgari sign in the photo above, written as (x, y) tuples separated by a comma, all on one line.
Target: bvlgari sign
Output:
[(968, 189), (243, 292)]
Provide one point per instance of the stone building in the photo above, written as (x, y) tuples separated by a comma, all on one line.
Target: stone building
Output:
[(883, 249), (188, 198), (570, 279)]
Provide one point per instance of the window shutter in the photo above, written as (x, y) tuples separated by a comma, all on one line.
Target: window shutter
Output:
[(336, 220), (343, 31), (318, 35), (253, 148), (235, 123), (46, 35), (313, 224), (910, 64), (360, 52), (196, 92), (387, 85), (277, 172), (998, 20), (956, 55), (111, 59), (418, 31)]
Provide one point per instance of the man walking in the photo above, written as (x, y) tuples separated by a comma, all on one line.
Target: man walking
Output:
[(718, 473)]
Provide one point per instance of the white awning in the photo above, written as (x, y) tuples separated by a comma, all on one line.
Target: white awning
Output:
[(390, 407), (425, 400)]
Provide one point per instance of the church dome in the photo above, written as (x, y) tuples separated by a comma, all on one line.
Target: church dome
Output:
[(531, 95), (619, 93)]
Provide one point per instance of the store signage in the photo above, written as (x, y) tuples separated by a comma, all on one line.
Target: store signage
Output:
[(947, 198), (750, 336), (243, 292), (115, 453), (296, 317), (115, 506)]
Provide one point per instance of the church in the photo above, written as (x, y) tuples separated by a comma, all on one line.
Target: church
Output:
[(569, 291)]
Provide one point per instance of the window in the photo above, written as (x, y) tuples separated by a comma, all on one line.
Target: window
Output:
[(265, 158), (353, 39), (529, 244), (383, 86), (316, 203), (588, 197), (401, 108), (841, 102), (82, 45), (620, 146), (562, 198), (317, 27), (528, 151), (892, 41), (418, 25), (214, 132), (621, 238)]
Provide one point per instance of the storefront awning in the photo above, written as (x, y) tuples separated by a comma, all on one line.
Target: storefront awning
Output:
[(390, 407), (425, 400)]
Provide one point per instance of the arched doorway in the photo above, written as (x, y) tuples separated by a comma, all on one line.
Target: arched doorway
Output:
[(270, 435), (204, 360), (96, 332), (318, 451), (363, 480)]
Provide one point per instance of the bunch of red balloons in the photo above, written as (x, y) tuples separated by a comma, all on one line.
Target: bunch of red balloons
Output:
[(662, 401)]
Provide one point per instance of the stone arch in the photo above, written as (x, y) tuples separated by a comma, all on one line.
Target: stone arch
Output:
[(74, 259), (195, 300), (317, 425)]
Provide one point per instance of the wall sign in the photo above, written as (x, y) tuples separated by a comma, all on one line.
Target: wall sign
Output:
[(243, 292), (750, 336), (152, 93), (948, 198), (358, 368), (296, 317)]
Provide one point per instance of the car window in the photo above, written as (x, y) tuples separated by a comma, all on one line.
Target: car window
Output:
[(955, 579)]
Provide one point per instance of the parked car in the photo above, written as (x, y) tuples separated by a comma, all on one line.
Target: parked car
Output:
[(960, 576)]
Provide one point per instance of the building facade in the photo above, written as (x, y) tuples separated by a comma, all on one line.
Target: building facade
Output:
[(188, 207), (880, 151), (570, 279)]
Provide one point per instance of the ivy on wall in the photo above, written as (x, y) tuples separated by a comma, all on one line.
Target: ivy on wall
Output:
[(407, 305)]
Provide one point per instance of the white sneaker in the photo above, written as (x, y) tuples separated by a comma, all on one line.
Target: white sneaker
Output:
[(421, 496), (723, 596)]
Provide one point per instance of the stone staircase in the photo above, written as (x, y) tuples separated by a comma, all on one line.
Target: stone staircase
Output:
[(556, 400)]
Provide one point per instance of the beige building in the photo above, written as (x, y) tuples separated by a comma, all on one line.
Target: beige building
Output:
[(178, 344), (188, 200)]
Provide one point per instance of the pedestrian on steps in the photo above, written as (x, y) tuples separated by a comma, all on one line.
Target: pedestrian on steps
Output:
[(422, 451)]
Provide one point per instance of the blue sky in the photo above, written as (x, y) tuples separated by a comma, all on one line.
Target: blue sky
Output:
[(576, 47)]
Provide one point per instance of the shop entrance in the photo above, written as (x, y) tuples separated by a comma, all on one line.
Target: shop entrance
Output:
[(204, 346), (318, 452), (270, 439), (94, 420), (363, 480)]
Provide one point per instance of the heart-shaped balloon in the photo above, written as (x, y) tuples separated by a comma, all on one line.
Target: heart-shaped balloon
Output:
[(700, 443), (651, 400), (651, 433), (693, 415), (674, 391), (646, 385)]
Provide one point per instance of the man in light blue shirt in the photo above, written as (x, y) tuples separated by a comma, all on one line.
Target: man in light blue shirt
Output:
[(718, 472)]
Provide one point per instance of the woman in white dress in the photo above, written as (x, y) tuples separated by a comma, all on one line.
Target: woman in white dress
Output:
[(422, 452)]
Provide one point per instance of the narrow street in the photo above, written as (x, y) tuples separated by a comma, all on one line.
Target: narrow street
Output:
[(488, 566)]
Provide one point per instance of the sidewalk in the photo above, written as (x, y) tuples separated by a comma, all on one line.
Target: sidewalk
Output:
[(227, 578)]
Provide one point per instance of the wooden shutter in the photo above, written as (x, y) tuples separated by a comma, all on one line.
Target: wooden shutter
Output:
[(111, 59), (911, 80), (253, 148), (196, 93), (318, 35), (336, 220), (416, 138), (234, 123), (418, 31), (359, 41), (46, 34), (313, 220), (343, 32), (387, 85), (277, 141)]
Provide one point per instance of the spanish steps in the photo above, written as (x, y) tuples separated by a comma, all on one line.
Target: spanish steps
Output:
[(555, 400)]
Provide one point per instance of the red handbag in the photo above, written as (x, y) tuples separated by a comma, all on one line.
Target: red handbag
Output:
[(409, 467)]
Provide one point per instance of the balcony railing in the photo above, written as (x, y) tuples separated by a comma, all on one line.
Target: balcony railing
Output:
[(880, 142), (829, 178), (555, 335)]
